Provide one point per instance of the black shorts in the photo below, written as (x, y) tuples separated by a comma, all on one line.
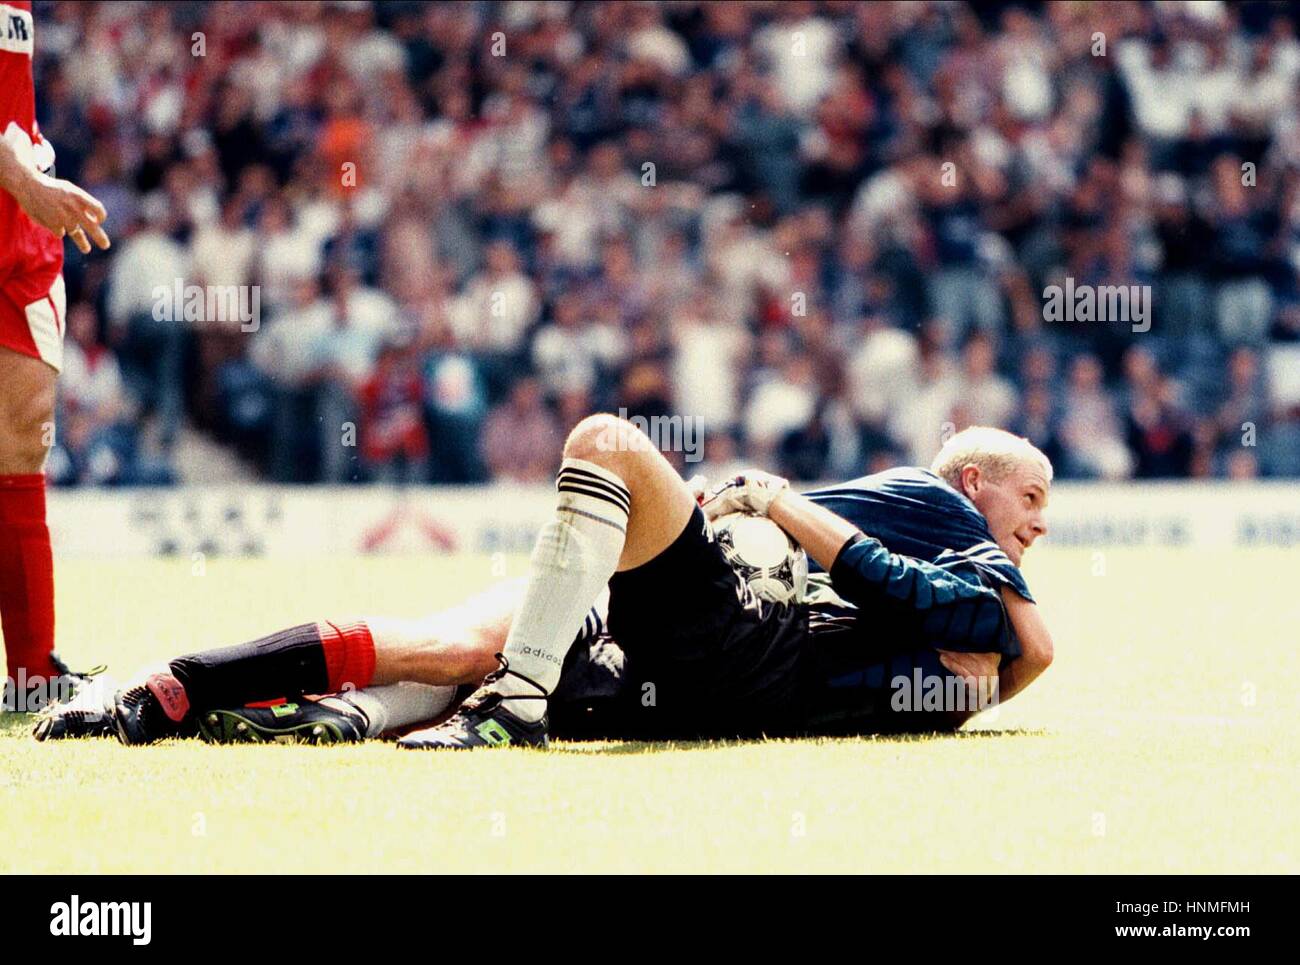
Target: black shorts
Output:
[(694, 654)]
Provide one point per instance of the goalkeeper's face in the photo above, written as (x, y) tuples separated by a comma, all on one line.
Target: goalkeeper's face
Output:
[(1013, 505)]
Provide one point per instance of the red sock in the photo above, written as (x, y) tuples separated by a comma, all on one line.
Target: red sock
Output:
[(349, 655), (26, 576)]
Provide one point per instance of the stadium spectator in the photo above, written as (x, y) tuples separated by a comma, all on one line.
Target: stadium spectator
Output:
[(1090, 428), (98, 443), (1244, 404), (990, 398), (1157, 431), (288, 352), (457, 405), (1240, 247), (151, 331), (494, 313), (784, 401), (521, 437), (573, 353), (394, 438), (710, 354)]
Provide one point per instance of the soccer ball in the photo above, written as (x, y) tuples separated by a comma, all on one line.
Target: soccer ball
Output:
[(774, 565)]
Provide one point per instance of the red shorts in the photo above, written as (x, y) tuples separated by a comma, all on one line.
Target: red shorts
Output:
[(33, 316)]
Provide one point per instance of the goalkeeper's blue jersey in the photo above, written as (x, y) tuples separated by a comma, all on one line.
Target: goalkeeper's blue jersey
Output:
[(915, 513), (925, 577)]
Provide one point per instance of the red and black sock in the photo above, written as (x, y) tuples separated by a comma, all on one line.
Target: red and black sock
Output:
[(314, 658)]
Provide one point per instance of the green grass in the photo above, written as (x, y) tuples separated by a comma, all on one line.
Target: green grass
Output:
[(1164, 739)]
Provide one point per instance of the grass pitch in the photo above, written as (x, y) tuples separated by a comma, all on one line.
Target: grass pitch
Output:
[(1164, 739)]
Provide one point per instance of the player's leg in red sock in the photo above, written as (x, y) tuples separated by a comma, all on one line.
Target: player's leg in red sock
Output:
[(450, 647), (312, 658), (27, 392)]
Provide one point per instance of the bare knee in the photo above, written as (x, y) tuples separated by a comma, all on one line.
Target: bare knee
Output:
[(609, 441), (27, 426)]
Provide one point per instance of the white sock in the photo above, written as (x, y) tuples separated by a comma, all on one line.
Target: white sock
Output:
[(576, 554), (396, 706)]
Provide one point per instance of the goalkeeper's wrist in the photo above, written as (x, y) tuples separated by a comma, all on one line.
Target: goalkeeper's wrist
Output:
[(766, 510)]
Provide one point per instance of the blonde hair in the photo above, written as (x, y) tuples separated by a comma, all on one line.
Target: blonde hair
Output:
[(996, 452)]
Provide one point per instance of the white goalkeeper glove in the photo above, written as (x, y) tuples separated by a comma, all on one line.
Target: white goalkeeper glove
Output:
[(753, 491)]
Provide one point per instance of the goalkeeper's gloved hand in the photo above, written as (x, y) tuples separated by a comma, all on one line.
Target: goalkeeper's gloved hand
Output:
[(750, 492)]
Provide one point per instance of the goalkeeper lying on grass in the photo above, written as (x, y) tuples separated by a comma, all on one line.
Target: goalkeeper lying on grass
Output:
[(920, 575)]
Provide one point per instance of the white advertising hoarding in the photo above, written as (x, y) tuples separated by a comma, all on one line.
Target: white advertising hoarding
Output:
[(276, 521)]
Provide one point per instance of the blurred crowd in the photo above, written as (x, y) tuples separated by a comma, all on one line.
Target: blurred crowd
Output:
[(823, 231)]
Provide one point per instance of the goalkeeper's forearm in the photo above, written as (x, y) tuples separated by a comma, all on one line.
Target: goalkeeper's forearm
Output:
[(820, 532), (953, 611), (1036, 647)]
